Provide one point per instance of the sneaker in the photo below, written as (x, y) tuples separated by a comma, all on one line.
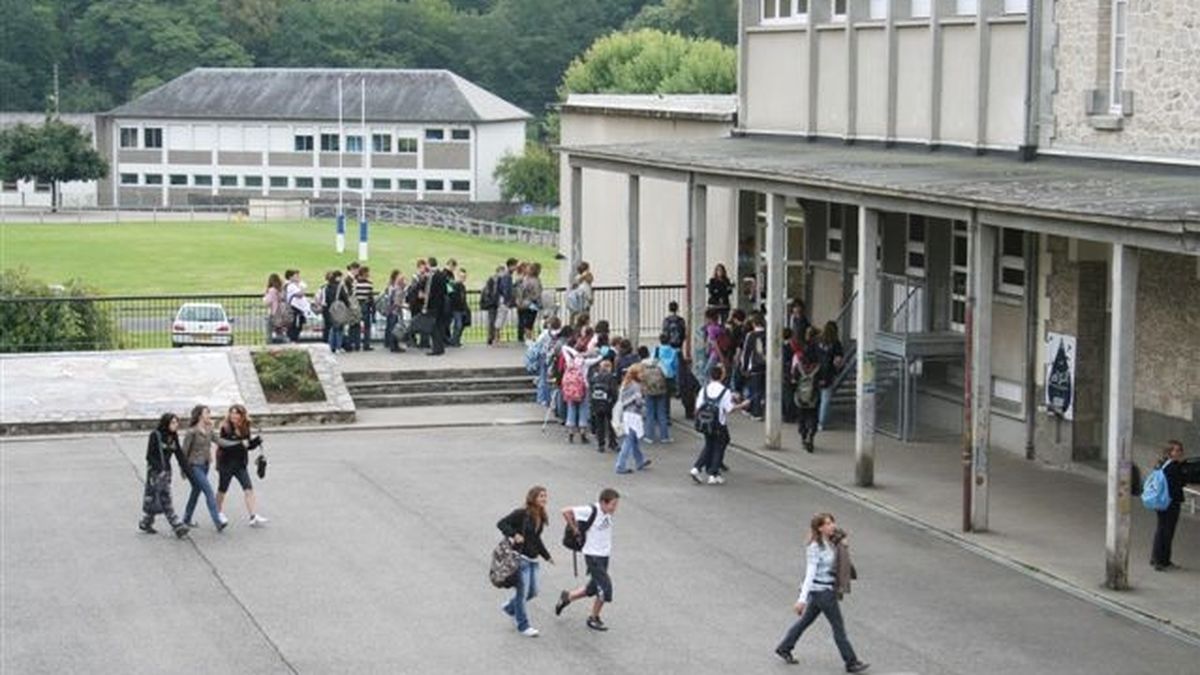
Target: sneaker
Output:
[(645, 464), (696, 476), (570, 438), (716, 480), (595, 623), (856, 666), (564, 599), (181, 531), (647, 441), (786, 656), (530, 632), (583, 438), (147, 527), (258, 521)]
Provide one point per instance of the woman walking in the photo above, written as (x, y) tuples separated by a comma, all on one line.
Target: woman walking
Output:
[(234, 444), (523, 527), (197, 449), (633, 410), (163, 443), (826, 577)]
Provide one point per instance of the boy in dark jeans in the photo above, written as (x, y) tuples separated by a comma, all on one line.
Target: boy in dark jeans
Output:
[(596, 550), (602, 390)]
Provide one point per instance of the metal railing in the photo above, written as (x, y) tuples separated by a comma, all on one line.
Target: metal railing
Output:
[(442, 218), (145, 322)]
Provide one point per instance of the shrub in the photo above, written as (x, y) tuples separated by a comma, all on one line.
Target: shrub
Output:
[(287, 376), (49, 318)]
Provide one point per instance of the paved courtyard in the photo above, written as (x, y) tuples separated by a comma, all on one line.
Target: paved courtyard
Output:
[(376, 560)]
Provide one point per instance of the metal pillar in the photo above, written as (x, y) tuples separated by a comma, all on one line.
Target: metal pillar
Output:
[(1120, 415), (983, 252), (633, 310), (698, 238), (575, 255), (866, 318), (776, 310)]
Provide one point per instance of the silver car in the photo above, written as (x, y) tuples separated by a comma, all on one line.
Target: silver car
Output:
[(201, 323)]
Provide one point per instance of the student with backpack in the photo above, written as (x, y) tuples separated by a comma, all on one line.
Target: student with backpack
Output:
[(491, 300), (753, 364), (713, 406), (590, 528), (574, 390), (602, 392), (805, 367), (523, 528), (657, 376), (1166, 480)]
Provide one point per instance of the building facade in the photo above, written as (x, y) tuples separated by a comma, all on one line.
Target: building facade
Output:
[(26, 194), (227, 135)]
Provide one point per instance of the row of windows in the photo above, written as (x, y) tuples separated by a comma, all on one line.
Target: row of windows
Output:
[(298, 182), (787, 11), (11, 186), (152, 138)]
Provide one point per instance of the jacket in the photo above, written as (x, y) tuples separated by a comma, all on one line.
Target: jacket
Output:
[(438, 301), (197, 446), (158, 457), (519, 522), (234, 449), (843, 569)]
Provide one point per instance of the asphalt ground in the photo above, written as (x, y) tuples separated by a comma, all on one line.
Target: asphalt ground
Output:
[(376, 561)]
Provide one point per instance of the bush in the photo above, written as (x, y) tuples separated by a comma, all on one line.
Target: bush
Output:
[(287, 376), (46, 318)]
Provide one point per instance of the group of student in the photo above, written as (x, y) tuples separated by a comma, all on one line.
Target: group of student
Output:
[(233, 440)]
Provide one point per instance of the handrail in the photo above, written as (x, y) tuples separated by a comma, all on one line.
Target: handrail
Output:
[(903, 306), (849, 364), (837, 320)]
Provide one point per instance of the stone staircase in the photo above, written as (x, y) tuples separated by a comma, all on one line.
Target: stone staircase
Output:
[(437, 387), (887, 377)]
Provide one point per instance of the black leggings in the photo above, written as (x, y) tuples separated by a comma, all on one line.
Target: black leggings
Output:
[(226, 476)]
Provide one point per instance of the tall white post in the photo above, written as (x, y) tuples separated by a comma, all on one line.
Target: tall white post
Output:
[(866, 318), (983, 266), (1120, 415), (697, 295), (575, 255), (341, 212), (633, 305), (362, 193), (776, 275)]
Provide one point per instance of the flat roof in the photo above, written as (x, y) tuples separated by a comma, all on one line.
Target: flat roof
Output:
[(698, 107), (1165, 199)]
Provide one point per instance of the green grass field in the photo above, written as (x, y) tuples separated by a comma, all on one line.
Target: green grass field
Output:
[(168, 258)]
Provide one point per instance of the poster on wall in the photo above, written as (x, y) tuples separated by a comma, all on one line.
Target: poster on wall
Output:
[(1060, 375)]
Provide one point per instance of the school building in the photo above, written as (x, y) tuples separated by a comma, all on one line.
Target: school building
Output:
[(997, 200)]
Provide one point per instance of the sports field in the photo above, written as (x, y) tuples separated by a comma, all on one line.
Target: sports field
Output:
[(224, 257)]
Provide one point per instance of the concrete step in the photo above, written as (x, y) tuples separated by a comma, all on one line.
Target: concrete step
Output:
[(440, 385), (432, 373), (444, 398)]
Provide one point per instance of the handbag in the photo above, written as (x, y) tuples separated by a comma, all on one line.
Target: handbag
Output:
[(424, 323), (339, 311), (260, 465)]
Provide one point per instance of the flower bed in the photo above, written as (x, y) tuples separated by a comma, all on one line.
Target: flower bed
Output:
[(287, 376)]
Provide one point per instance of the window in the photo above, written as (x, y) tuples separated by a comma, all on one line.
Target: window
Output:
[(229, 181), (434, 185), (915, 248), (128, 179), (381, 143), (1016, 6), (780, 11), (303, 143), (407, 184), (154, 179), (330, 143), (958, 278), (353, 183), (329, 183), (460, 134), (178, 179), (304, 182), (152, 137), (202, 181), (1011, 270), (129, 137), (41, 187), (966, 7), (435, 134), (919, 9), (381, 184), (1120, 36), (279, 181), (460, 186), (878, 9), (354, 144), (837, 10), (833, 233), (406, 144), (253, 181)]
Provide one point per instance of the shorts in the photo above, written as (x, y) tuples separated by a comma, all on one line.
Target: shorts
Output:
[(599, 582), (226, 476)]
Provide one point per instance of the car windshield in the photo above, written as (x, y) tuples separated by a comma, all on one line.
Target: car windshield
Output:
[(202, 313)]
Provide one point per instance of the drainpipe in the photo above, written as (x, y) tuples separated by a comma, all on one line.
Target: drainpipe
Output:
[(1033, 67), (1032, 239)]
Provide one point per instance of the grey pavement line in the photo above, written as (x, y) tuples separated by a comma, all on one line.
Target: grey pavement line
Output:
[(1130, 612), (217, 575)]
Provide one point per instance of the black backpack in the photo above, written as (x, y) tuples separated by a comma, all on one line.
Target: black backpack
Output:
[(489, 298), (708, 417), (573, 542), (601, 393), (675, 328)]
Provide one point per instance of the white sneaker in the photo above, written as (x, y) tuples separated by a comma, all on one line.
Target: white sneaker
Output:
[(530, 632), (258, 521), (716, 480), (696, 475)]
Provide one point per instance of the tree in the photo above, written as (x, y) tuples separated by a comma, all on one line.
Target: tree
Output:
[(652, 62), (531, 177), (51, 153), (716, 19)]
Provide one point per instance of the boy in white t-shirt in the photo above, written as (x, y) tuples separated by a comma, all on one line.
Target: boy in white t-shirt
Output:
[(716, 438), (597, 547)]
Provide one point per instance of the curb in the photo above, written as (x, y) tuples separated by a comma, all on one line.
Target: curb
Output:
[(1125, 610)]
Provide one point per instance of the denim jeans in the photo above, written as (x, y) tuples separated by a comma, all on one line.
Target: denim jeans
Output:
[(821, 602), (823, 409), (713, 454), (368, 320), (579, 415), (200, 484), (757, 384), (389, 340), (337, 337), (526, 590), (656, 418), (457, 321), (543, 385), (630, 447)]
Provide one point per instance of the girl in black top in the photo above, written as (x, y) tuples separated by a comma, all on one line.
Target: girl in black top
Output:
[(523, 527), (719, 290), (234, 444), (163, 444)]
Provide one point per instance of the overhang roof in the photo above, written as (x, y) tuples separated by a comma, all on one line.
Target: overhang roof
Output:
[(1163, 199), (698, 107), (310, 94)]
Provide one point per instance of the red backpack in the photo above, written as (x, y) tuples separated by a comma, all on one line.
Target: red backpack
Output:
[(574, 382)]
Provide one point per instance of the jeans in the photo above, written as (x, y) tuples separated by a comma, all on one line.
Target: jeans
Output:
[(337, 337), (579, 415), (293, 331), (630, 447), (368, 320), (526, 590), (353, 337), (543, 385), (757, 383), (457, 323), (200, 484), (821, 602), (1164, 533), (713, 454), (823, 410), (602, 425), (389, 340), (656, 418)]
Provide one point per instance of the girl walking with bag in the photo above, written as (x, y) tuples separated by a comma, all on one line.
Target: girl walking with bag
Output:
[(633, 410), (233, 460), (197, 448), (827, 576), (523, 527), (163, 444)]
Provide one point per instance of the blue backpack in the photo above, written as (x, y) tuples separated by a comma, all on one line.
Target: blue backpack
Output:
[(533, 357), (1155, 495), (668, 360)]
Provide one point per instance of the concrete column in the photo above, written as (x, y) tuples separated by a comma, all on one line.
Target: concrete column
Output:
[(982, 276), (1120, 415), (698, 236), (576, 232), (866, 318), (776, 309), (633, 308)]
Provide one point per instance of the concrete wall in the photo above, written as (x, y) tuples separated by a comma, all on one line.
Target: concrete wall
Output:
[(493, 142), (1167, 359), (775, 91)]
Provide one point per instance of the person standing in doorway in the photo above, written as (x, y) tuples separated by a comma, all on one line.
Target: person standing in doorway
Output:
[(719, 289), (1164, 530), (197, 449), (597, 549), (826, 578), (234, 444), (523, 527), (833, 357), (162, 445)]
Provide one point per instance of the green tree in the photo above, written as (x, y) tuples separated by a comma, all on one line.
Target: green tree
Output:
[(652, 62), (531, 177), (30, 45), (52, 319), (716, 19), (51, 153)]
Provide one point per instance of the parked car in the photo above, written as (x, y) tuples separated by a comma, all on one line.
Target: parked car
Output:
[(201, 323)]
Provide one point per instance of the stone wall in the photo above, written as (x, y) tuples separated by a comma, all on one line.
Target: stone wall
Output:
[(1167, 362), (1163, 74)]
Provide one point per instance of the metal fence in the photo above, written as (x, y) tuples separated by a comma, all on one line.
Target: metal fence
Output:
[(145, 322), (442, 218)]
